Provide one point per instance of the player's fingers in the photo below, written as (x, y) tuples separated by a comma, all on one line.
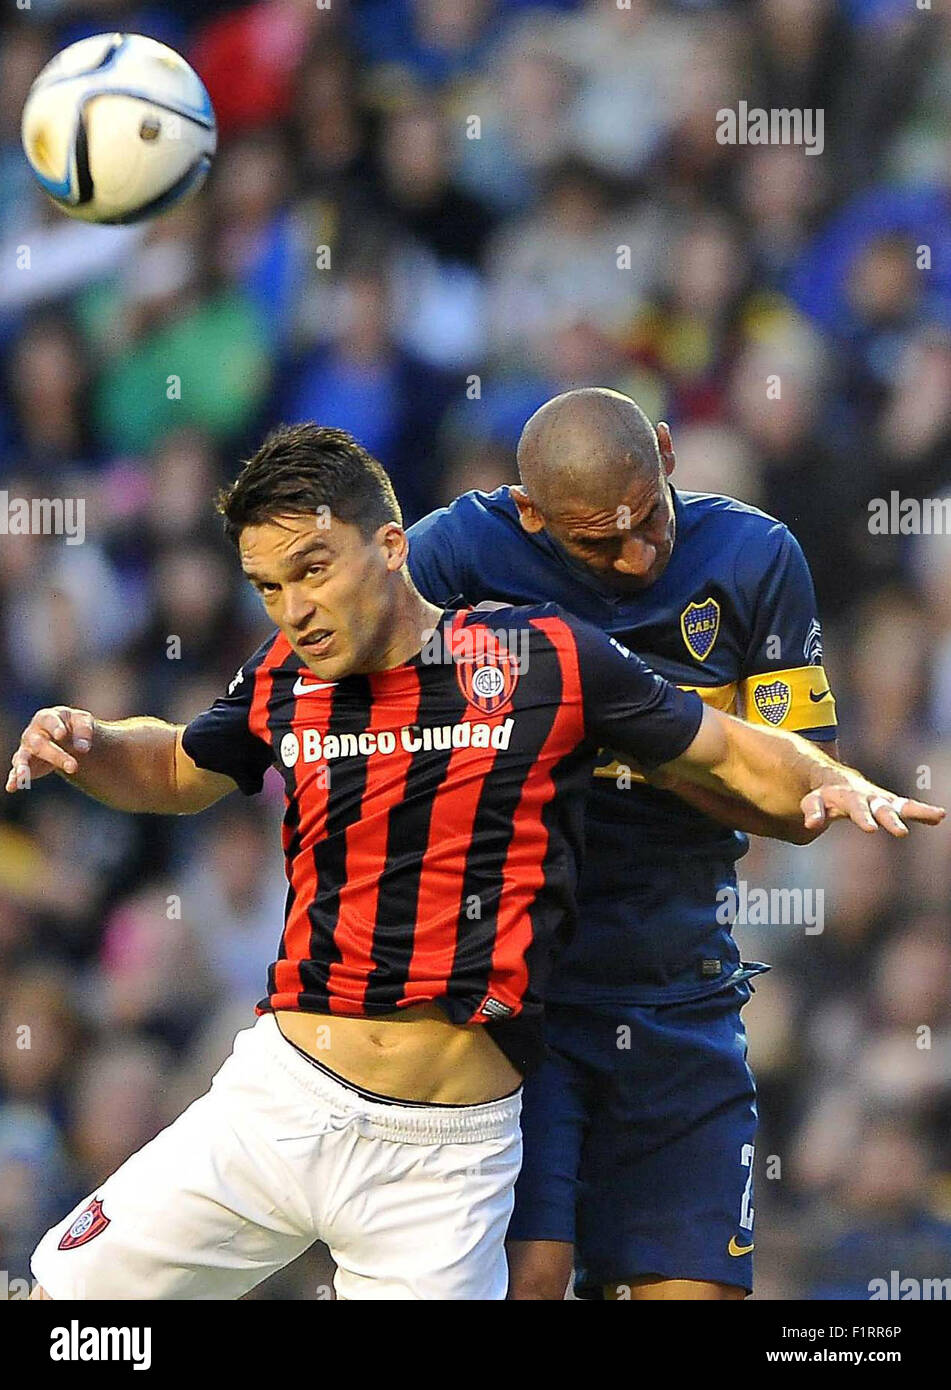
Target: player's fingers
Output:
[(814, 811), (81, 724), (886, 815), (20, 770), (920, 811), (16, 777), (53, 722), (843, 801), (40, 745)]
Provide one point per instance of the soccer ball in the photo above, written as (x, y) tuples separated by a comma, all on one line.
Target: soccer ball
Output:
[(118, 128)]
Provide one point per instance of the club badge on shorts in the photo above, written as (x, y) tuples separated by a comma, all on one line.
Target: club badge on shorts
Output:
[(488, 680), (700, 623), (89, 1223), (773, 701)]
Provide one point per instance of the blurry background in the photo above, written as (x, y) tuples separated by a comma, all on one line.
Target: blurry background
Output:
[(357, 259)]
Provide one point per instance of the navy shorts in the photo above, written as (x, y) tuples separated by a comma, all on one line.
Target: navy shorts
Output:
[(638, 1138)]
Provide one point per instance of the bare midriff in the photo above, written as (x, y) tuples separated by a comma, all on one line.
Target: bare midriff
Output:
[(415, 1054)]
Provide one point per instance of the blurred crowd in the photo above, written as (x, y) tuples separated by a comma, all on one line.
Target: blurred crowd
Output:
[(425, 218)]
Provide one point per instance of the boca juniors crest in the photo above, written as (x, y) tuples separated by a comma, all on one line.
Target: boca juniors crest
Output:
[(773, 701), (91, 1222), (488, 680), (700, 623)]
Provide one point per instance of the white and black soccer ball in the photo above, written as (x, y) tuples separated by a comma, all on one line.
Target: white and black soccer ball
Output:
[(118, 128)]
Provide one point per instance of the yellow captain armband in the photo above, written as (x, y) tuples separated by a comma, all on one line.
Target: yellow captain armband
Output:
[(797, 699)]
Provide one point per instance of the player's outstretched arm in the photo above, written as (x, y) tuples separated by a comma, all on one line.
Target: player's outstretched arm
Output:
[(791, 779), (129, 764), (731, 811)]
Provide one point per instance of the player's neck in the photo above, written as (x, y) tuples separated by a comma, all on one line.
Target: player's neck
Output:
[(406, 628)]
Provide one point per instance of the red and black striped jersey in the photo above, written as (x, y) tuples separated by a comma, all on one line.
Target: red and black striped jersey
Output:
[(434, 811)]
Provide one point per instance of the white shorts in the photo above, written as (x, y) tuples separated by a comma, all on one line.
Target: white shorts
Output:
[(413, 1200)]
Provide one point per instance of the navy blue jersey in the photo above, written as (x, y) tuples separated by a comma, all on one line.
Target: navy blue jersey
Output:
[(732, 617)]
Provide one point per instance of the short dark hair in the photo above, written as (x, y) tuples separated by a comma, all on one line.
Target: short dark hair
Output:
[(301, 467)]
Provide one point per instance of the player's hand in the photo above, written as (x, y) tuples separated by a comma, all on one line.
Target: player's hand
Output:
[(53, 741), (867, 806)]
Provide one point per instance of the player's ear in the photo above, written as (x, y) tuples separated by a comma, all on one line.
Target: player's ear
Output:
[(666, 446), (528, 514), (394, 543)]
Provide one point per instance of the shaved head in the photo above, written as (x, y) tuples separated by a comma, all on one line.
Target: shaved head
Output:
[(587, 445), (594, 477)]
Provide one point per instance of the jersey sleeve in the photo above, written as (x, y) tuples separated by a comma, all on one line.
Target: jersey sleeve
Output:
[(627, 706), (783, 683), (436, 562), (220, 739)]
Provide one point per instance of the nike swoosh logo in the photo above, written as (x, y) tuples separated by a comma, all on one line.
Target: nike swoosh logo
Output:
[(821, 695), (734, 1249), (301, 689)]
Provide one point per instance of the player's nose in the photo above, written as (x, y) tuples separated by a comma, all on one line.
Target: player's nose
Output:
[(298, 607), (636, 557)]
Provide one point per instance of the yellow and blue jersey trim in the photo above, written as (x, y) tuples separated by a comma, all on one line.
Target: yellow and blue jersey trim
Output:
[(798, 700)]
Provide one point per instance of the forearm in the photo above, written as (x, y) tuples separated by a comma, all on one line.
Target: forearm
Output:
[(131, 766), (784, 777), (733, 812), (769, 770)]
